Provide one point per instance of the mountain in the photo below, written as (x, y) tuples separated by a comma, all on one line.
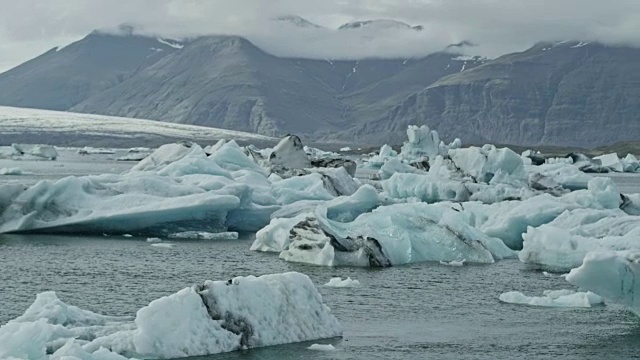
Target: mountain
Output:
[(566, 94), (227, 82), (63, 77)]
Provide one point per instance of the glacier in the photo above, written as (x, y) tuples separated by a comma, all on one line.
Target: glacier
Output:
[(209, 318)]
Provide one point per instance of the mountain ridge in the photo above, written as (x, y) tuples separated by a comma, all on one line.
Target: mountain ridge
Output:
[(573, 93)]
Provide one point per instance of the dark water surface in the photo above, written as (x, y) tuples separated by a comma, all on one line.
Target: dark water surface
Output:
[(410, 312)]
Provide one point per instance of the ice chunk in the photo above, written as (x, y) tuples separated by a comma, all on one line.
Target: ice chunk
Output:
[(554, 298), (385, 154), (569, 177), (612, 275), (218, 316), (47, 152), (316, 154), (318, 184), (612, 161), (509, 220), (483, 163), (345, 149), (231, 157), (322, 347), (154, 240), (338, 282), (423, 142), (425, 187), (453, 263), (203, 235), (93, 151), (275, 236), (163, 245), (245, 312), (395, 166), (165, 155), (114, 204), (562, 244), (49, 307), (630, 163), (289, 154), (11, 171), (391, 235)]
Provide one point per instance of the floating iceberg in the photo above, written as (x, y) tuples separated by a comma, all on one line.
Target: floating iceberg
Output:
[(389, 235), (30, 152), (612, 275), (215, 317), (322, 347), (203, 235), (423, 142), (562, 244), (611, 161), (554, 298), (94, 151), (482, 164), (11, 171), (338, 282)]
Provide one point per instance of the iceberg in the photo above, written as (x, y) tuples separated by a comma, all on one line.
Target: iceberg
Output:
[(422, 142), (562, 244), (211, 318), (389, 235), (11, 171), (177, 188), (203, 235), (338, 282), (385, 154), (322, 347), (613, 275), (611, 161), (31, 151), (289, 153), (94, 151), (508, 220), (554, 298), (425, 188), (482, 164)]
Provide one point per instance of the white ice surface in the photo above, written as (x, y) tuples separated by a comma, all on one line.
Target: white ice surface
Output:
[(11, 171), (612, 275), (216, 317), (562, 244), (322, 347), (19, 120), (554, 298), (346, 283)]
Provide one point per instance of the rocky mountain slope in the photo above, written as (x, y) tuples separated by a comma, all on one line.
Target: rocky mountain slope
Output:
[(62, 77), (565, 94)]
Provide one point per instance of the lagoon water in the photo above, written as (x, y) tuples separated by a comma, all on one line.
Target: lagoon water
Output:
[(417, 311)]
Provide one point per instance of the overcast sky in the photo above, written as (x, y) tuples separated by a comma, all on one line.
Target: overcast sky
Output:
[(30, 27)]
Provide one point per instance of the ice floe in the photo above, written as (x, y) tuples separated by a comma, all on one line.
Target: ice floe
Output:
[(346, 283), (554, 298)]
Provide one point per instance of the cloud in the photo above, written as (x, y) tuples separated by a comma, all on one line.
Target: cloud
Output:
[(29, 27)]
